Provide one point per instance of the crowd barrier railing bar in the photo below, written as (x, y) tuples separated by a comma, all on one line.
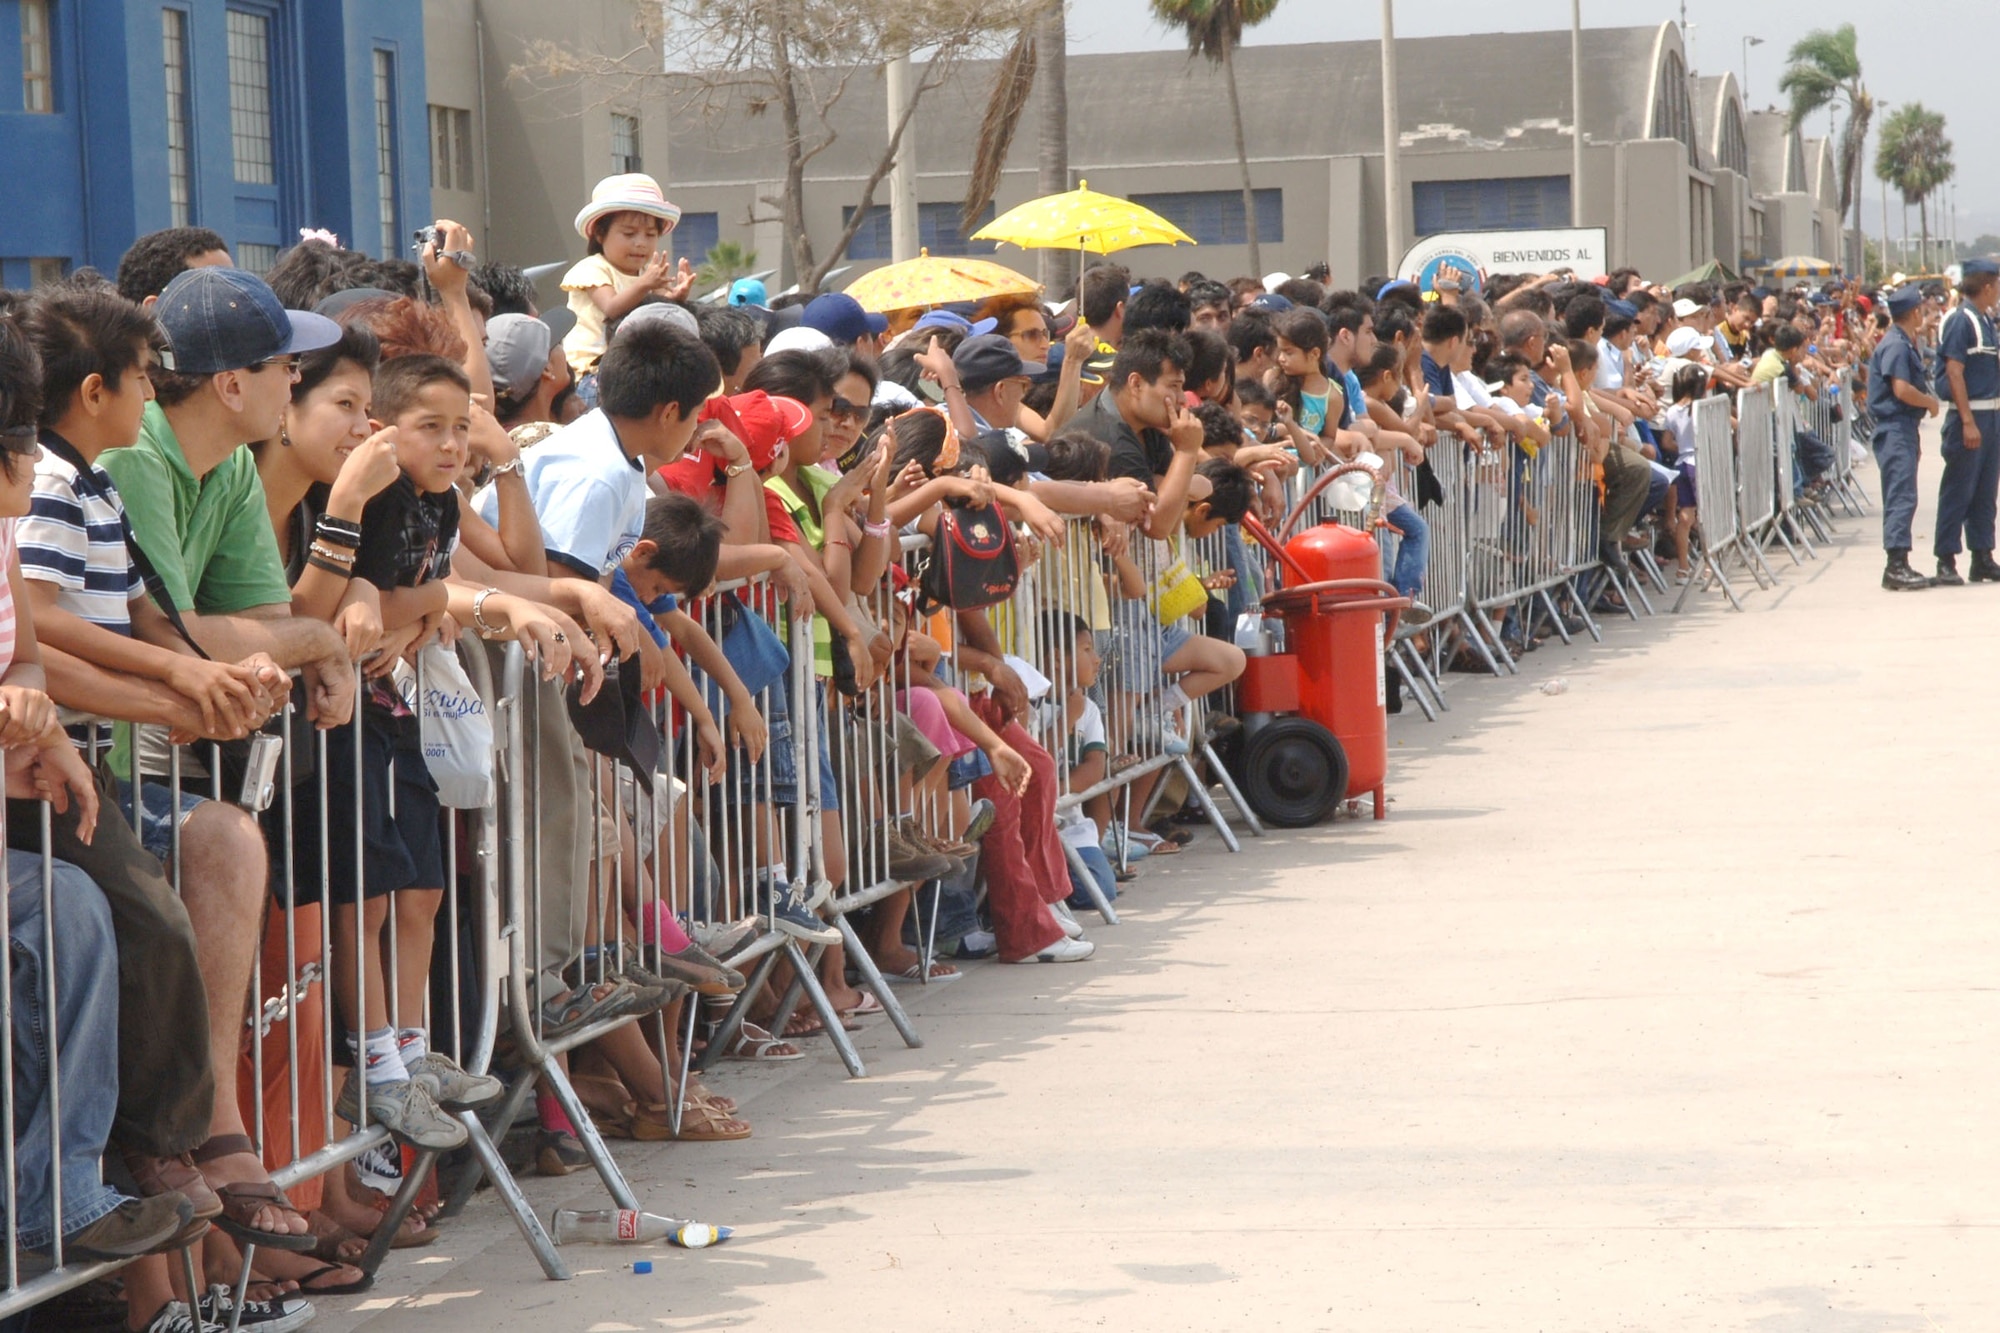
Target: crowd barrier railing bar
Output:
[(1716, 515)]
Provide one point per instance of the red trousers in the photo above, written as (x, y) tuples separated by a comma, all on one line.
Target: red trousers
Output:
[(1025, 870)]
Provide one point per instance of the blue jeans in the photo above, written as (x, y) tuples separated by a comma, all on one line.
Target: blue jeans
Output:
[(1413, 552), (86, 1028), (1100, 870)]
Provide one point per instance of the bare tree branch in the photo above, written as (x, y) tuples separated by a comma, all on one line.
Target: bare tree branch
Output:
[(711, 59)]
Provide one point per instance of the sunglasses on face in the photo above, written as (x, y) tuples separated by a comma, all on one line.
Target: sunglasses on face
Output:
[(842, 410), (20, 441)]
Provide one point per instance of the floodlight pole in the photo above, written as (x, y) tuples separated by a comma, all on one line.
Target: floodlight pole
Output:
[(1576, 112), (903, 175), (1392, 174)]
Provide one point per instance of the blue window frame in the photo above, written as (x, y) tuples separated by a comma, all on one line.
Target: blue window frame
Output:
[(1215, 217), (1491, 205), (263, 157), (937, 232), (696, 234)]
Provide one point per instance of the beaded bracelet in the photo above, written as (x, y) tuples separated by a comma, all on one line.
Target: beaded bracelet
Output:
[(317, 561)]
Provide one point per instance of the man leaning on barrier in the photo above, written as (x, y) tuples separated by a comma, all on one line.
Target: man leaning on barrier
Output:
[(198, 532)]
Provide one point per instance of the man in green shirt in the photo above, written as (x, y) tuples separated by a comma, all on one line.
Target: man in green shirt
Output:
[(196, 512)]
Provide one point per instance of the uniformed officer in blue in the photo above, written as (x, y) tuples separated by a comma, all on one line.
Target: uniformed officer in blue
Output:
[(1969, 356), (1899, 397)]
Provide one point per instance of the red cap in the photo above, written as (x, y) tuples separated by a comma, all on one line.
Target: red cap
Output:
[(762, 422)]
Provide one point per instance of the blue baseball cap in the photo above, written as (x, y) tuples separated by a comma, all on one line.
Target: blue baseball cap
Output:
[(219, 319), (1272, 302), (1904, 299), (1624, 308), (748, 291), (841, 318), (951, 319), (1393, 284), (1973, 266)]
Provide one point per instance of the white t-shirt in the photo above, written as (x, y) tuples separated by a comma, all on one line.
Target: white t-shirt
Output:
[(590, 498), (1469, 390), (1680, 420)]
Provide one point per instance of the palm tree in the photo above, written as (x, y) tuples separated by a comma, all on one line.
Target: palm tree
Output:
[(1214, 29), (1825, 71), (1915, 157), (725, 262)]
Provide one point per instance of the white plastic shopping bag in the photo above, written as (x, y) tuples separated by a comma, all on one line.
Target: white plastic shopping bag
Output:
[(457, 731)]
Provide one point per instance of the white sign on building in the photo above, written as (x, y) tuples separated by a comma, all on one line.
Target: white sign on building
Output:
[(1479, 253)]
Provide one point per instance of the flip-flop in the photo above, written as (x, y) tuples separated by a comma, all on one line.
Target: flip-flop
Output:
[(868, 1008), (758, 1046), (349, 1289), (913, 975)]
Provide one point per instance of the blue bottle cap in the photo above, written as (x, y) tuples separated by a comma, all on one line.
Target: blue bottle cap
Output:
[(642, 1266)]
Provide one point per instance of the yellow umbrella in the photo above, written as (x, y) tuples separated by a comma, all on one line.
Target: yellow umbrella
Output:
[(1081, 219), (927, 281)]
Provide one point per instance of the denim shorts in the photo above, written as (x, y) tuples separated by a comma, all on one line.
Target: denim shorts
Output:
[(784, 765), (156, 815), (1141, 646)]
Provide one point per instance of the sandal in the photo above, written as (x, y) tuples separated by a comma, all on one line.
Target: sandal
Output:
[(756, 1044), (241, 1202), (306, 1287), (914, 973), (700, 1092), (868, 1008), (703, 1122), (334, 1243)]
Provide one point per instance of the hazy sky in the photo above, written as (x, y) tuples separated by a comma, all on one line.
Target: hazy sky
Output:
[(1909, 52)]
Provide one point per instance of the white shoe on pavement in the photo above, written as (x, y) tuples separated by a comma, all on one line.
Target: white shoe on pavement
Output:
[(1064, 950), (1071, 927)]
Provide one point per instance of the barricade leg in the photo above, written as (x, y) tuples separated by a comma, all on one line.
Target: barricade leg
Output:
[(805, 983), (1436, 687), (871, 977), (1199, 790), (1487, 631), (1400, 656)]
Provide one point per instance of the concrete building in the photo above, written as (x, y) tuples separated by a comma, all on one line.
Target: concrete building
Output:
[(1670, 171), (251, 117), (514, 156)]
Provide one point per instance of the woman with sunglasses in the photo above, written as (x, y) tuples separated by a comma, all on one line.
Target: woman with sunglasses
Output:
[(1024, 323)]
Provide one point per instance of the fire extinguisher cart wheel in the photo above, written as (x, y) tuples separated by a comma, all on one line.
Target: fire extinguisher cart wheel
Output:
[(1293, 772)]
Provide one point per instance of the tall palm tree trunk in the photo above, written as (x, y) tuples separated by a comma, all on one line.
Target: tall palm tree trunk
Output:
[(1058, 267), (1242, 157), (1924, 222)]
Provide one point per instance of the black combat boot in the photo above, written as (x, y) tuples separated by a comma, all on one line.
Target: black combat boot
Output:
[(1899, 577)]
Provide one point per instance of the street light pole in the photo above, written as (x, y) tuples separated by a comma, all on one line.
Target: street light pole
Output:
[(1748, 42), (1576, 112), (1392, 175)]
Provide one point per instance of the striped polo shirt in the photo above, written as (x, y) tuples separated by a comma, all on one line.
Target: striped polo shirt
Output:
[(76, 541)]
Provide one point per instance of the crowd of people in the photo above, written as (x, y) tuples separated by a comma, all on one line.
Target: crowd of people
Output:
[(225, 494)]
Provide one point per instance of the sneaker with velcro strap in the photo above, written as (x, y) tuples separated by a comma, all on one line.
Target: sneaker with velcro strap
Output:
[(406, 1109), (450, 1086)]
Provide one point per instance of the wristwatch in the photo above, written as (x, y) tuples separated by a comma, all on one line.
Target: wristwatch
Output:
[(736, 469), (507, 469)]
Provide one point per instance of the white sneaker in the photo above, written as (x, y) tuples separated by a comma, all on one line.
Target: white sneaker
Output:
[(1071, 927), (1064, 950)]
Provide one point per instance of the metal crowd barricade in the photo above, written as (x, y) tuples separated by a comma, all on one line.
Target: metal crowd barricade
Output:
[(1559, 502), (1716, 513), (1495, 545), (294, 1031), (1756, 471), (1785, 527)]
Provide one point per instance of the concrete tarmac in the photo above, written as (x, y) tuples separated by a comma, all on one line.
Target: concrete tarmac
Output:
[(1662, 1003)]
